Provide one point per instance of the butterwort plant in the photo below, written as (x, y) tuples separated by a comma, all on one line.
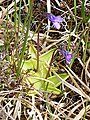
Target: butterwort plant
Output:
[(56, 20), (68, 56)]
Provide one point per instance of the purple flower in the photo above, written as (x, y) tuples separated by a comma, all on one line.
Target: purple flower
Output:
[(67, 56), (54, 19)]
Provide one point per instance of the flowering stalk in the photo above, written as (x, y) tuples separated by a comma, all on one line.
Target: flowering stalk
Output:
[(49, 68)]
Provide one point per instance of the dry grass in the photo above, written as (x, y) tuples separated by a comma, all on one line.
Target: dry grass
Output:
[(16, 102)]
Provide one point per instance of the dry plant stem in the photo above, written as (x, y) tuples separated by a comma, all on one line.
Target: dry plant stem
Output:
[(8, 8), (87, 88), (66, 12), (66, 5), (71, 13), (55, 117), (29, 104), (38, 51), (86, 69), (75, 107), (49, 46), (81, 113), (26, 8), (68, 84), (73, 79), (86, 96), (78, 90), (49, 11), (2, 1), (3, 109)]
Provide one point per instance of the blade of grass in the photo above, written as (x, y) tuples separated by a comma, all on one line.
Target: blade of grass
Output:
[(83, 10), (85, 113), (15, 16), (19, 16), (75, 10), (86, 42), (29, 16)]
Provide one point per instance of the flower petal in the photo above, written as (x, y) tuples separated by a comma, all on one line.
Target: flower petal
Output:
[(68, 58), (54, 19), (66, 55), (56, 24), (63, 52), (58, 19), (50, 16)]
